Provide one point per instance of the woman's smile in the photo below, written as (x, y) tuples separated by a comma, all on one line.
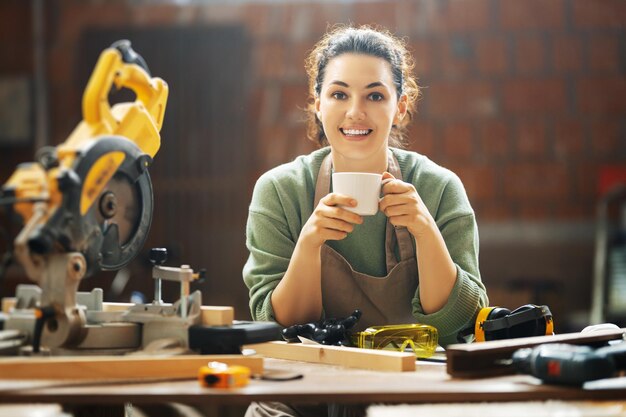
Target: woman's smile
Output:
[(355, 134)]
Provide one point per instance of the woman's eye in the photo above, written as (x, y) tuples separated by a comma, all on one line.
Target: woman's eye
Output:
[(338, 95), (376, 97)]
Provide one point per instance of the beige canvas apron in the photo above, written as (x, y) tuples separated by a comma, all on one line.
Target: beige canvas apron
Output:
[(383, 300)]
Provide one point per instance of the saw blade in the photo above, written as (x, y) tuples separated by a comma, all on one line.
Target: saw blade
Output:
[(124, 212), (120, 204)]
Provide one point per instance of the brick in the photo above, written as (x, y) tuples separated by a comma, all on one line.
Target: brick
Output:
[(433, 16), (273, 143), (479, 180), (457, 140), (293, 102), (493, 137), (61, 72), (580, 209), (468, 15), (375, 14), (535, 96), (298, 143), (270, 59), (533, 210), (604, 54), (162, 15), (456, 56), (255, 19), (424, 56), (491, 56), (298, 23), (567, 53), (255, 104), (422, 139), (530, 54), (586, 180), (531, 14), (495, 210), (605, 137), (325, 15), (531, 138), (80, 16), (269, 97), (536, 181), (467, 98), (298, 52), (601, 95), (599, 14), (569, 139), (220, 13)]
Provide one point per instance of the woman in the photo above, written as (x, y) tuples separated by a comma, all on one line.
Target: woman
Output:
[(416, 260)]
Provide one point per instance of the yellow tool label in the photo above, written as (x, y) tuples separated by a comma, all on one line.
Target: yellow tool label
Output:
[(98, 176)]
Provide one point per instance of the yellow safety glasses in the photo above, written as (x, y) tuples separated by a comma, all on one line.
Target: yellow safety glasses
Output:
[(421, 338)]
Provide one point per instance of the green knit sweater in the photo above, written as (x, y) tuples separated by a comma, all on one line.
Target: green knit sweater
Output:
[(282, 202)]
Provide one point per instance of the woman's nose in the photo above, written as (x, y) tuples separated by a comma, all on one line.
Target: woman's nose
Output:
[(356, 111)]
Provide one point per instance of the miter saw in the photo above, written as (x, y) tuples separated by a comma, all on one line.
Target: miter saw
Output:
[(86, 206)]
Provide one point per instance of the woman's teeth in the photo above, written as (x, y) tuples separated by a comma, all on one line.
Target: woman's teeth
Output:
[(355, 132)]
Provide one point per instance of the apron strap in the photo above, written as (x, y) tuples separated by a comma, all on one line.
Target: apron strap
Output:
[(401, 236), (322, 186)]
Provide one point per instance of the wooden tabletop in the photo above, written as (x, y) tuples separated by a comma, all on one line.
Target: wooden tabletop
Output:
[(321, 383)]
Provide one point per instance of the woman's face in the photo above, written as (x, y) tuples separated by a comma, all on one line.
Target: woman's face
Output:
[(358, 105)]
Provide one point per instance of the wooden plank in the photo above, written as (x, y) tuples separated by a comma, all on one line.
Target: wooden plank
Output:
[(378, 360), (7, 304), (217, 315), (122, 367), (490, 358)]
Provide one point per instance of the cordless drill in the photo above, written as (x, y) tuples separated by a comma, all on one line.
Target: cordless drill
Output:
[(558, 363)]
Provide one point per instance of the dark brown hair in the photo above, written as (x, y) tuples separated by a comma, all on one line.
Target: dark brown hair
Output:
[(361, 40)]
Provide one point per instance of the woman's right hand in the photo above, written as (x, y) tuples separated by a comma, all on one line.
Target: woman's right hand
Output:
[(329, 221)]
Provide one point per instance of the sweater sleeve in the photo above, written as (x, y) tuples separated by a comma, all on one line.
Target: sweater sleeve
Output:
[(457, 224), (270, 244)]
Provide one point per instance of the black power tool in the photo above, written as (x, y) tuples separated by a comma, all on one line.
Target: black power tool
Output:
[(559, 363)]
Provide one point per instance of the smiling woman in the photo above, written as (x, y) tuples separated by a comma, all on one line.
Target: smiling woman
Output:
[(414, 261)]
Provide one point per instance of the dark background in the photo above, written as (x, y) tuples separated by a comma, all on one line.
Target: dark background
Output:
[(524, 100)]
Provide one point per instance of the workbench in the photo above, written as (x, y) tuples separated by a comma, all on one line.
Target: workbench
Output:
[(321, 383)]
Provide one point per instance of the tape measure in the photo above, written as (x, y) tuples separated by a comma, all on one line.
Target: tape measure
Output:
[(220, 375)]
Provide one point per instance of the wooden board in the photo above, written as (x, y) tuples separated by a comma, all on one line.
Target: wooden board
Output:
[(378, 360), (122, 367), (490, 358), (211, 315), (7, 304)]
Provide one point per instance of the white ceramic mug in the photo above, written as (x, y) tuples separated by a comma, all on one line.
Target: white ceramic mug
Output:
[(364, 187)]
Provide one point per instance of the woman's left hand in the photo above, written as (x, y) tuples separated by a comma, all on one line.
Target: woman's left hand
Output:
[(403, 206)]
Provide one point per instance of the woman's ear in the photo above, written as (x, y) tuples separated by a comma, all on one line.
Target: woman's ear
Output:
[(403, 106), (318, 113)]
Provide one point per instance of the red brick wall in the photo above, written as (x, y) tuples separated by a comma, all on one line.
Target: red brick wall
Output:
[(524, 100)]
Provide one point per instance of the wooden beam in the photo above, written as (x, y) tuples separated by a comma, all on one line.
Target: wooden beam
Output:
[(378, 360), (114, 367)]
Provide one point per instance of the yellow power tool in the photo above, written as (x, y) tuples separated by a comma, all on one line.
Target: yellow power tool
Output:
[(86, 204), (92, 194)]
